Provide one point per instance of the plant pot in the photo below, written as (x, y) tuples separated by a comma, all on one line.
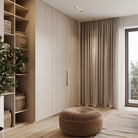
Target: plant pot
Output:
[(1, 132)]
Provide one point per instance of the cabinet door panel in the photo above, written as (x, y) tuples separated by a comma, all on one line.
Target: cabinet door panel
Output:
[(72, 63), (43, 62), (56, 52), (59, 58)]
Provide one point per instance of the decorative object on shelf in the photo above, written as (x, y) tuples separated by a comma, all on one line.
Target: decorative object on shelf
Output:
[(20, 101), (26, 69), (7, 119), (7, 26), (20, 38), (11, 61), (1, 132), (6, 45)]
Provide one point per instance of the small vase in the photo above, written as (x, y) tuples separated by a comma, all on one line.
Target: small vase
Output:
[(1, 132)]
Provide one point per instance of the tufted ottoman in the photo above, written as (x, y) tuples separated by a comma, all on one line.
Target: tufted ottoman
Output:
[(80, 121)]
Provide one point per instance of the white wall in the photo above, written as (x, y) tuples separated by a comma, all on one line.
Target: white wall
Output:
[(130, 21), (125, 22), (1, 33)]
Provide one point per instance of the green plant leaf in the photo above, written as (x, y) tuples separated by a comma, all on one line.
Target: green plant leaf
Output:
[(1, 78), (7, 65)]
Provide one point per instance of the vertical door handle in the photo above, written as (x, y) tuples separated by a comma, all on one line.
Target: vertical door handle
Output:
[(66, 78)]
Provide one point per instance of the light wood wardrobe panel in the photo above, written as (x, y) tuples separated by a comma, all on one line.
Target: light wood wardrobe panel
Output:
[(59, 61), (72, 62), (43, 94), (32, 62), (56, 43)]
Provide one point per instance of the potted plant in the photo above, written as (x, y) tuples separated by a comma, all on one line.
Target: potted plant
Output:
[(11, 61)]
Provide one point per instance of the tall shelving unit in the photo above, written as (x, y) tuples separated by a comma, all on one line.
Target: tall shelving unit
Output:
[(17, 12)]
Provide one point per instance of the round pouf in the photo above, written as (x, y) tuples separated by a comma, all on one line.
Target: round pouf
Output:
[(80, 121)]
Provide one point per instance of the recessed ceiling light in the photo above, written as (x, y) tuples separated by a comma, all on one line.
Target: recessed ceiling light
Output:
[(78, 9)]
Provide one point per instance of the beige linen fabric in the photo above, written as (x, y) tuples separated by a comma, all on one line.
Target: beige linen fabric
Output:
[(125, 125), (98, 63)]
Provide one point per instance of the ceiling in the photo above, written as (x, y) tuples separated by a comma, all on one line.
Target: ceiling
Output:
[(97, 9)]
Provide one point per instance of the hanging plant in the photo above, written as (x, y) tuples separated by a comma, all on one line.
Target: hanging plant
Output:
[(11, 61)]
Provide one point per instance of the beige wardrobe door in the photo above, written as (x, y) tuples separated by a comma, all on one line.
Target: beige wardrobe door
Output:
[(43, 61), (72, 62), (59, 61)]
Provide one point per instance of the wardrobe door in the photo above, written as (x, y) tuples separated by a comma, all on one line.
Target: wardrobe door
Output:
[(43, 61), (59, 61), (72, 62)]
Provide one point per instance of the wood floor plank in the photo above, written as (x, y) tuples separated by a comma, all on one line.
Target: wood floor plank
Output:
[(49, 128)]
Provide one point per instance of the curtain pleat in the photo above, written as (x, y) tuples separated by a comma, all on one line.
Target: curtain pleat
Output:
[(98, 53)]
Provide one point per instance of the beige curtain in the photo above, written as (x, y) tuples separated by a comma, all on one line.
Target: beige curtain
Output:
[(98, 63)]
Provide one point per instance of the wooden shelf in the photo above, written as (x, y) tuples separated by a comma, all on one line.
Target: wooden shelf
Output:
[(20, 8), (8, 2), (19, 48), (20, 123), (20, 19), (9, 93), (8, 34), (8, 13), (17, 12), (11, 77), (12, 0), (22, 74), (9, 6), (21, 111)]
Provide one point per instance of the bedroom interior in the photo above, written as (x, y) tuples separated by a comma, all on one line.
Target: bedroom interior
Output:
[(81, 79)]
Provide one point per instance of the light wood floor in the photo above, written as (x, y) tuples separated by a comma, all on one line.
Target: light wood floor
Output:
[(49, 128)]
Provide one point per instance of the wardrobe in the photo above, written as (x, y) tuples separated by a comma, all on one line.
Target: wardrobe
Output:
[(53, 79), (57, 64)]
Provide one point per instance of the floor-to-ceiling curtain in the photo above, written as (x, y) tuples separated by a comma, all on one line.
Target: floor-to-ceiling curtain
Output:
[(99, 63)]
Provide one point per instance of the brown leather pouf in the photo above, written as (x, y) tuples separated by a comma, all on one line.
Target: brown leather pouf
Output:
[(80, 121)]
